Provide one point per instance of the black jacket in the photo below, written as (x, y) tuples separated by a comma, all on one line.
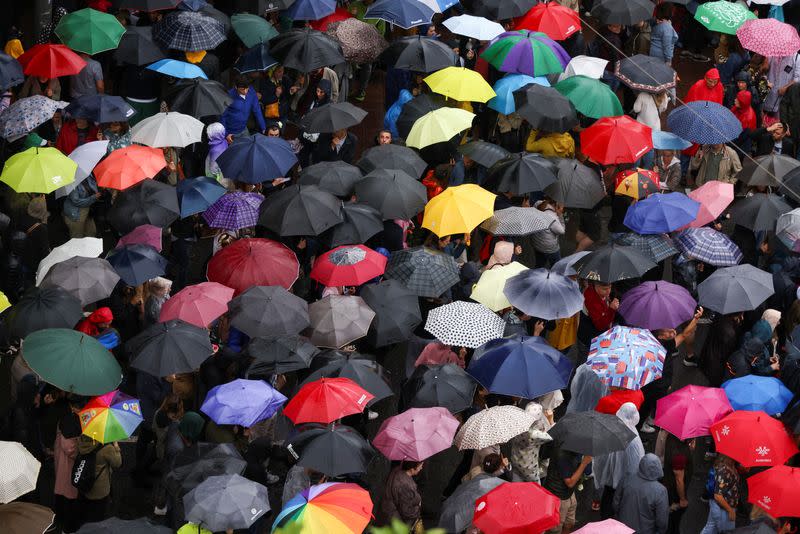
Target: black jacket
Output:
[(763, 144), (324, 151)]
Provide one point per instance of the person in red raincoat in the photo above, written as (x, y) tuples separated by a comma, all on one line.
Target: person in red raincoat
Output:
[(96, 323), (747, 117), (709, 88)]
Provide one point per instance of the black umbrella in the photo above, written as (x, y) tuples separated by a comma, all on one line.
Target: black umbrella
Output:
[(332, 117), (279, 354), (361, 222), (148, 202), (300, 210), (268, 310), (591, 433), (545, 108), (141, 525), (87, 279), (170, 348), (396, 309), (304, 50), (483, 152), (43, 307), (426, 272), (645, 73), (625, 12), (445, 385), (336, 177), (137, 47), (198, 97), (329, 356), (185, 478), (522, 173), (767, 170), (416, 108), (368, 374), (265, 6), (759, 211), (502, 9), (790, 184), (100, 108), (394, 193), (419, 54), (613, 263), (10, 72), (136, 264), (393, 157), (578, 186), (334, 451), (255, 59)]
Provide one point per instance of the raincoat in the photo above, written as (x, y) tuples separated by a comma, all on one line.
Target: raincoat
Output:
[(701, 91), (641, 501), (611, 469)]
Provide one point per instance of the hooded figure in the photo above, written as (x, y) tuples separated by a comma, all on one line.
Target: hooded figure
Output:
[(641, 501), (611, 469), (709, 88), (744, 111), (98, 321)]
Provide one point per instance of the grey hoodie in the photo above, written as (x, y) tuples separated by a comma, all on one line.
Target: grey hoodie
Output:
[(642, 502)]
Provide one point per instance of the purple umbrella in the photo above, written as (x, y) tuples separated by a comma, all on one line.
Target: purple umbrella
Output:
[(234, 211), (656, 305), (242, 402), (526, 52), (146, 234), (416, 434)]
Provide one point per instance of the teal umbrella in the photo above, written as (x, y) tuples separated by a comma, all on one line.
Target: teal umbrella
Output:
[(590, 97)]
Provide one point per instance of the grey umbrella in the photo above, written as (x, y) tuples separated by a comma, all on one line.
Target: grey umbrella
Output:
[(185, 478), (523, 173), (735, 289), (578, 186), (459, 508), (337, 320), (483, 152), (566, 265), (87, 279), (268, 311), (543, 294), (226, 501), (392, 157), (41, 308), (361, 222), (279, 354), (300, 210), (393, 193), (336, 177), (766, 170), (426, 272), (397, 312), (516, 221), (170, 348), (332, 450), (332, 117), (613, 263), (591, 433), (368, 374), (759, 211)]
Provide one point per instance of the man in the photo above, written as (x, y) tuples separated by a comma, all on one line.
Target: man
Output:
[(244, 103), (384, 137), (641, 502), (89, 81), (339, 146), (563, 474), (715, 162), (773, 140), (782, 74), (722, 508)]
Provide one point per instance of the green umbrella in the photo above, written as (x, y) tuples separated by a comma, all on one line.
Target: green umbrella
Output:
[(590, 97), (72, 361), (38, 170), (252, 29), (90, 31), (722, 16)]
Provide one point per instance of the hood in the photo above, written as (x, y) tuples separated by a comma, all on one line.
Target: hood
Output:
[(742, 76), (744, 98), (650, 467), (712, 74), (325, 85), (761, 331), (101, 315), (404, 96)]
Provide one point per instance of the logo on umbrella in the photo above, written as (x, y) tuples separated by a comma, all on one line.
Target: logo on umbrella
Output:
[(726, 430), (764, 502), (56, 180), (762, 450)]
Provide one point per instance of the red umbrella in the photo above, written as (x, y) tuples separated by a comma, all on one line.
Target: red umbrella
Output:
[(557, 21), (200, 304), (517, 508), (326, 400), (126, 167), (337, 16), (776, 490), (51, 61), (254, 262), (146, 234), (613, 140), (753, 439), (348, 265)]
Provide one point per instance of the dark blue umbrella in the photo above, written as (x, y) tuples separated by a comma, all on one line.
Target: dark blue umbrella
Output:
[(705, 123), (758, 393), (197, 194), (544, 294), (403, 13), (10, 72), (255, 59), (257, 159), (136, 264), (311, 9), (100, 108), (521, 366), (661, 213)]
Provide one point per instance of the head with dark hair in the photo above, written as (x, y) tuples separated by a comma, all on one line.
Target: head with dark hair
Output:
[(412, 467), (492, 463), (242, 84), (664, 11)]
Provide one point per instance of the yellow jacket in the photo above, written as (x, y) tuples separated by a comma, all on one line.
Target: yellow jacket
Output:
[(551, 145)]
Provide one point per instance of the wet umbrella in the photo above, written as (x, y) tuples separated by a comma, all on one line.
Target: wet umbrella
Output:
[(336, 177), (136, 264), (197, 194), (396, 309), (392, 157), (189, 31), (27, 518), (506, 88), (690, 411), (332, 117), (714, 198), (464, 324), (788, 230), (661, 213), (41, 309), (141, 525), (305, 50), (669, 141), (566, 265), (348, 265), (516, 221), (590, 97), (361, 222), (86, 156), (776, 490), (419, 54), (279, 354), (709, 246), (100, 108), (300, 210), (557, 21), (656, 247), (325, 22), (254, 262), (26, 114), (735, 289), (87, 279), (523, 173), (458, 209), (769, 37), (310, 9), (459, 508), (200, 304), (10, 72), (526, 52), (149, 202), (517, 507), (448, 386), (766, 170), (493, 426), (126, 167), (759, 211), (624, 12), (578, 186), (164, 130), (626, 357), (502, 9), (613, 263), (758, 393), (404, 14), (416, 108), (392, 192), (137, 47), (439, 126), (723, 17), (338, 320), (255, 59), (361, 42), (366, 373), (226, 502), (591, 433), (20, 471), (252, 29), (482, 152), (38, 170), (90, 247), (657, 305), (426, 272), (268, 310), (198, 98), (169, 348), (234, 211), (146, 234), (89, 31), (704, 122), (257, 159), (790, 185), (198, 463), (242, 402), (753, 439), (614, 140), (645, 73), (51, 61), (327, 399), (334, 450), (544, 294), (460, 83), (416, 434)]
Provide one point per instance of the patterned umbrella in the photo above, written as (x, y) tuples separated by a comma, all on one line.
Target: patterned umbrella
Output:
[(19, 471), (516, 221), (769, 37), (464, 324), (426, 272), (110, 417), (646, 73), (637, 183), (493, 426), (189, 31), (657, 247), (753, 439), (332, 507), (525, 52), (338, 320), (709, 246), (24, 115), (361, 42), (704, 122), (723, 17), (788, 230), (626, 357), (234, 211)]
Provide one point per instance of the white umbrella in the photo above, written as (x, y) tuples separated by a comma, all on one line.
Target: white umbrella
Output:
[(769, 2), (18, 471), (464, 324), (593, 67), (87, 156), (479, 28), (87, 247), (493, 426), (167, 130)]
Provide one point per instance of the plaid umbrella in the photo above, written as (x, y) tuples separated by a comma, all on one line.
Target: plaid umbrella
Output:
[(709, 246), (21, 117), (361, 42), (234, 211), (464, 324), (625, 357), (424, 271), (656, 247), (189, 31), (704, 122), (516, 221)]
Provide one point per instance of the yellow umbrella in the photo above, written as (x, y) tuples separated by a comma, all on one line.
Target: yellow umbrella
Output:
[(460, 84), (4, 302), (38, 170), (438, 126), (458, 210), (489, 289), (193, 528)]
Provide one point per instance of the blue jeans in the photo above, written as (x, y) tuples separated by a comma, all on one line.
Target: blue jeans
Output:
[(718, 520)]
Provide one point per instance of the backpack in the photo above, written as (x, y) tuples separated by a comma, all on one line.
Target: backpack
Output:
[(708, 490), (83, 476)]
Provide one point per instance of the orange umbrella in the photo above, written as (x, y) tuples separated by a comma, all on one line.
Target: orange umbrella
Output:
[(126, 167)]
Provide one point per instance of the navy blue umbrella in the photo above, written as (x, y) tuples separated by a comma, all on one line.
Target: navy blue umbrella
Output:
[(255, 59), (197, 194), (257, 159), (403, 13), (311, 9), (100, 108), (544, 294), (136, 264), (705, 123), (10, 72)]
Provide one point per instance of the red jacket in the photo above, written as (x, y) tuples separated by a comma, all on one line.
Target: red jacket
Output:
[(67, 140), (598, 310)]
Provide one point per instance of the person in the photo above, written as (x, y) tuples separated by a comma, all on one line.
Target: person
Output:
[(75, 133), (208, 61), (217, 143), (551, 144), (37, 241), (156, 294), (668, 167), (599, 311), (275, 89), (118, 134), (76, 209), (722, 508), (715, 162), (663, 36), (65, 449), (709, 88), (401, 499), (244, 104), (384, 137), (641, 502), (774, 139), (609, 47), (564, 471), (528, 467), (94, 503), (89, 81), (39, 85), (546, 242), (782, 73), (649, 107), (96, 322), (338, 146), (743, 111)]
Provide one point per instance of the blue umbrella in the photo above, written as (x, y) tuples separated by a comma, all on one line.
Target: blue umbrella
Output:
[(521, 366), (255, 59), (192, 5), (311, 9), (704, 122), (197, 194), (444, 5), (257, 159), (178, 69), (505, 87), (544, 294), (10, 72), (661, 213), (403, 13), (669, 141), (758, 393), (242, 402), (136, 264), (709, 246), (100, 108)]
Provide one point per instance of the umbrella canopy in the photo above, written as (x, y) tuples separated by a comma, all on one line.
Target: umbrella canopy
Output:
[(723, 17), (657, 305), (776, 491), (149, 202), (147, 234), (426, 272), (280, 354), (335, 177), (338, 320), (517, 507), (234, 211), (489, 289), (590, 97), (332, 117), (656, 247), (189, 31), (613, 263), (607, 526), (198, 97), (333, 507), (754, 439), (416, 434), (523, 173), (100, 108), (305, 50), (26, 517), (255, 59), (759, 211), (502, 9), (790, 185), (394, 193), (333, 450), (769, 37), (516, 221), (526, 52), (126, 167), (788, 230), (110, 417), (637, 183), (448, 386), (614, 140), (87, 279), (766, 170), (38, 170), (325, 22), (755, 393), (300, 210), (349, 265), (392, 157), (136, 47), (326, 400), (506, 87), (714, 197), (127, 526), (438, 126), (709, 246), (458, 210), (590, 66), (464, 324), (626, 357), (403, 14), (169, 348), (661, 213), (24, 115), (591, 433), (90, 247), (479, 28), (19, 473), (690, 411), (415, 109), (419, 54), (735, 289), (252, 29), (459, 83), (226, 502), (257, 159), (90, 31), (544, 294), (646, 73), (195, 195), (10, 72), (578, 186), (200, 304), (308, 10), (43, 309), (704, 122), (136, 264), (242, 265), (50, 61), (366, 373), (268, 310), (361, 42), (566, 266), (623, 12), (72, 361), (242, 402), (669, 141), (554, 20), (459, 508), (167, 130), (493, 426), (397, 312), (148, 5), (483, 152)]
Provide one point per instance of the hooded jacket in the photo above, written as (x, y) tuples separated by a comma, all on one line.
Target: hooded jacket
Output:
[(641, 502), (700, 91), (744, 112)]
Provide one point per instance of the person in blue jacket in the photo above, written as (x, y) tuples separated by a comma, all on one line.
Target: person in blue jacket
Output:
[(244, 103)]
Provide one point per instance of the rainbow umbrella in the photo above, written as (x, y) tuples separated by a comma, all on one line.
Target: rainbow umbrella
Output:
[(525, 52), (110, 417), (332, 508)]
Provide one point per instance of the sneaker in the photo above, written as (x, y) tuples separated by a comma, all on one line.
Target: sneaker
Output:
[(360, 96), (685, 54), (160, 511), (647, 428), (272, 479), (701, 58)]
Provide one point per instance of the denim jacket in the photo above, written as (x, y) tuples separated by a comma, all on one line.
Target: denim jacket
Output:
[(81, 197)]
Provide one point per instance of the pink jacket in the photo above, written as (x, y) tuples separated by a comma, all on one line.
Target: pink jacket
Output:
[(65, 451)]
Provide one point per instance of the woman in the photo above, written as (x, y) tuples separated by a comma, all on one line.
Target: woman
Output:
[(76, 209), (709, 88), (39, 85), (156, 294), (668, 167), (75, 133), (217, 143), (546, 242), (747, 118), (525, 447), (118, 135), (64, 452), (401, 498), (94, 503)]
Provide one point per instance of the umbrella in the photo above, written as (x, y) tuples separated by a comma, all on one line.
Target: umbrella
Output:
[(714, 197), (758, 393), (754, 439), (361, 222), (392, 157), (458, 210), (544, 294), (257, 159), (656, 247), (565, 266), (110, 417), (147, 234), (502, 9), (43, 309), (348, 265), (627, 357), (613, 263), (709, 246), (326, 400), (690, 411), (90, 247), (419, 54), (766, 170), (234, 211), (126, 167), (578, 186), (637, 183), (310, 10), (590, 97), (459, 508), (100, 108), (526, 52), (769, 37), (87, 279), (397, 312), (517, 507), (332, 117), (516, 221), (776, 491), (704, 122), (195, 195), (788, 230), (607, 526), (255, 59), (334, 450), (479, 28), (483, 152), (149, 202), (460, 84), (464, 324), (405, 14), (523, 172), (661, 213), (735, 289), (361, 42), (90, 31), (366, 373), (416, 108), (337, 506), (759, 211), (790, 185), (448, 386), (26, 114), (416, 434), (252, 29), (723, 17), (657, 305), (197, 464), (493, 426), (242, 402), (226, 501), (38, 170), (426, 272), (305, 50), (614, 140), (72, 361), (590, 66), (489, 289), (136, 264), (338, 320), (392, 192), (199, 305), (19, 472), (554, 20), (136, 47), (268, 310), (26, 517), (300, 210), (169, 348), (591, 433), (198, 97), (669, 141), (51, 61), (625, 12), (141, 525), (279, 354), (148, 5), (506, 87), (86, 156), (11, 73), (243, 264), (164, 130), (438, 126), (189, 31), (646, 73), (336, 177)]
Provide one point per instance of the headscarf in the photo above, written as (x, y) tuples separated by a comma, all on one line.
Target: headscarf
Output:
[(503, 254), (700, 91), (744, 112), (611, 469), (216, 140)]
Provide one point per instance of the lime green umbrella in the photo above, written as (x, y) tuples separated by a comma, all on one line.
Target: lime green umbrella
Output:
[(90, 31), (590, 97), (38, 170), (722, 16), (252, 29), (72, 361), (438, 126)]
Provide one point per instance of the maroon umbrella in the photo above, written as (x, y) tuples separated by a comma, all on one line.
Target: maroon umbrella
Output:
[(254, 262)]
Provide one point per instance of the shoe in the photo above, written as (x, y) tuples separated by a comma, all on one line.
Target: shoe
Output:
[(360, 96), (647, 428), (371, 415), (685, 54), (272, 479), (701, 58), (160, 511)]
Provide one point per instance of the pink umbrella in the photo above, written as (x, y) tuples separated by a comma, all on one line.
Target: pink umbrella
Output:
[(416, 434), (146, 234), (769, 37), (690, 411), (609, 526), (199, 304), (436, 353), (714, 197)]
